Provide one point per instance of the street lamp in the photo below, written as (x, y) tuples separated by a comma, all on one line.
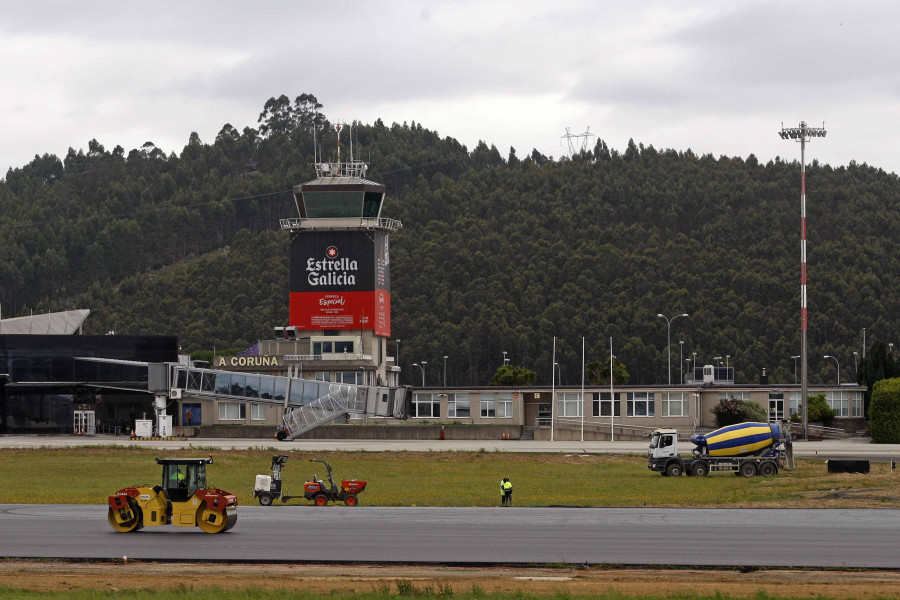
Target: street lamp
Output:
[(553, 388), (838, 366), (397, 341), (856, 365), (445, 370), (681, 362), (802, 134), (505, 360), (422, 366), (669, 338), (795, 368)]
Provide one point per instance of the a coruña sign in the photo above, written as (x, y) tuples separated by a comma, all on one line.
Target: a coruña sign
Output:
[(247, 361), (340, 280)]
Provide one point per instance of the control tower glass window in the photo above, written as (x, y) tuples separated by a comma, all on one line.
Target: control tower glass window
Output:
[(372, 206), (332, 204)]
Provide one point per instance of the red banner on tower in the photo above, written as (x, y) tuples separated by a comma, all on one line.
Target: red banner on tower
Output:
[(340, 280)]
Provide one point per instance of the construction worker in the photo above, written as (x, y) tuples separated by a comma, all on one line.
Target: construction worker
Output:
[(506, 489)]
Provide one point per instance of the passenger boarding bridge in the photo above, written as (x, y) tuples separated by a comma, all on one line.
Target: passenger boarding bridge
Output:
[(307, 403)]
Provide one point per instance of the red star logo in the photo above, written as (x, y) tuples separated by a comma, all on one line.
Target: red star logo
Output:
[(331, 252)]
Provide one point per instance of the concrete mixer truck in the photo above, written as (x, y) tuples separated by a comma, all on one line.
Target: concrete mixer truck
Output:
[(746, 449)]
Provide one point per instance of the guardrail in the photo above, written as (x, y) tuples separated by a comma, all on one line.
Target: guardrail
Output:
[(827, 433), (597, 426)]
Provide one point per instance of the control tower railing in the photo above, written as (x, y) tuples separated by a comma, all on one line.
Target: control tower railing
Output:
[(294, 223)]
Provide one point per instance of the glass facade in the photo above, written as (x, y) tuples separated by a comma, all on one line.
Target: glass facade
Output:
[(47, 380)]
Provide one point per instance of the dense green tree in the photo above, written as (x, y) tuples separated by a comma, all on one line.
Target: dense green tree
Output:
[(598, 372), (732, 410), (884, 413), (818, 411), (513, 375)]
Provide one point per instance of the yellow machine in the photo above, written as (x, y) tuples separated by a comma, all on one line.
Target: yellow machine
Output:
[(183, 500)]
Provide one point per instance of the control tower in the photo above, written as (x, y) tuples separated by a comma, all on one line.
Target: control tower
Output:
[(340, 280)]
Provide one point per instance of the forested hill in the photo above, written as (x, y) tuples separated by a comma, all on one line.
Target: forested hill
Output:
[(498, 252)]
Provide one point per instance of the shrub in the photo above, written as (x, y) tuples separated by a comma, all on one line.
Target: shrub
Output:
[(817, 410), (884, 412), (730, 411)]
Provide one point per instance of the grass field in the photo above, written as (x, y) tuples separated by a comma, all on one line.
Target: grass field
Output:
[(88, 475)]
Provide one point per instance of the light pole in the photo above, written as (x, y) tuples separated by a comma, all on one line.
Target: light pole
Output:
[(795, 368), (505, 360), (422, 366), (445, 370), (802, 134), (856, 364), (681, 362), (612, 402), (684, 380), (553, 388), (397, 341), (669, 338), (694, 366), (838, 366), (718, 360)]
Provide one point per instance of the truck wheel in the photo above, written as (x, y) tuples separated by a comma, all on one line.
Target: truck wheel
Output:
[(700, 469), (351, 500), (320, 500), (748, 469), (265, 499), (280, 436), (768, 469), (673, 470)]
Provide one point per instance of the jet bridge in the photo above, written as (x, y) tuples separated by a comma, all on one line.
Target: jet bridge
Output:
[(306, 403)]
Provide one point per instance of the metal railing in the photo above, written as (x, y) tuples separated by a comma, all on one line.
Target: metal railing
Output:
[(340, 400), (827, 433), (595, 426), (368, 222)]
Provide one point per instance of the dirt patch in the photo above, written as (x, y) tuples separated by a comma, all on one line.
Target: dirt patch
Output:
[(323, 579)]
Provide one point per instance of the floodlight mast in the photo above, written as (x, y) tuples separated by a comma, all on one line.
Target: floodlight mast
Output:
[(802, 134)]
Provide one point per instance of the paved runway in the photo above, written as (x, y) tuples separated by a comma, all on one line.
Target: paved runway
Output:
[(497, 535), (853, 448)]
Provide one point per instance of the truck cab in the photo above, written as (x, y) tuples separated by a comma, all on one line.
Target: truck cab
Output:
[(663, 449)]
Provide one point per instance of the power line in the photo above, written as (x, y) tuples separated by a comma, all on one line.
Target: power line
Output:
[(137, 212)]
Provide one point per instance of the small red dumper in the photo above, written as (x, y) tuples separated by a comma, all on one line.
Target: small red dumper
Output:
[(269, 488), (322, 494)]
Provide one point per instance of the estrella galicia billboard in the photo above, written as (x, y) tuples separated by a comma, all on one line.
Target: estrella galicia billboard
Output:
[(340, 280)]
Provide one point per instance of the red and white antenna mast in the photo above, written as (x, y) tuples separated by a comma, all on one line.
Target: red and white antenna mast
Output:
[(802, 134)]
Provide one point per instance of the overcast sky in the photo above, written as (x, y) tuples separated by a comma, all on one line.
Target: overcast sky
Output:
[(717, 77)]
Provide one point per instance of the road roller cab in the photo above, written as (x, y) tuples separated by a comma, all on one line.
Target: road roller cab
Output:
[(183, 499)]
